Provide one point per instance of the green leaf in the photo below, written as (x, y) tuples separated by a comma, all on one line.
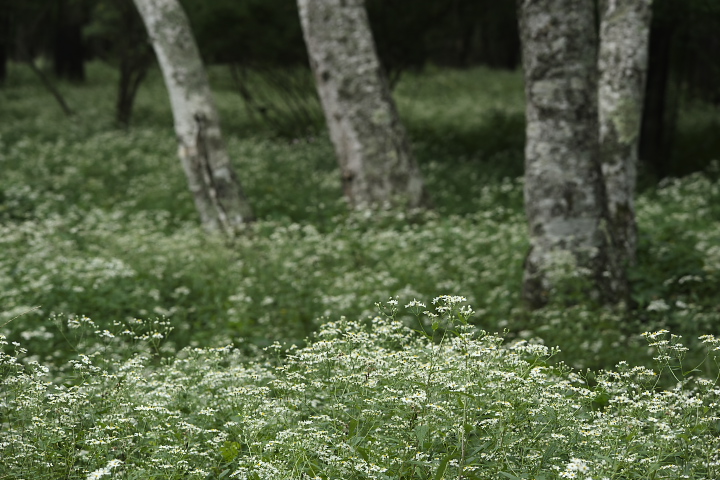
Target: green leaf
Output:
[(510, 475), (229, 450), (363, 453), (443, 466), (352, 427), (421, 432)]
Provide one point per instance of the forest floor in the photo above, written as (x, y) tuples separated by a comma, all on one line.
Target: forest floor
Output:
[(104, 270)]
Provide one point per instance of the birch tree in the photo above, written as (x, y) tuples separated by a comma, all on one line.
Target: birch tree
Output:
[(370, 142), (564, 191), (217, 193), (622, 66)]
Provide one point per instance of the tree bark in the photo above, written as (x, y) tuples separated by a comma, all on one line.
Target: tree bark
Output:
[(134, 56), (564, 192), (213, 183), (373, 151), (622, 66), (132, 74)]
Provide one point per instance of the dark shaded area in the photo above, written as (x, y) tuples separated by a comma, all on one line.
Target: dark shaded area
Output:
[(497, 147), (477, 32), (410, 49), (653, 139), (251, 32), (4, 44), (54, 30), (117, 35), (683, 73), (456, 33), (259, 38), (68, 45)]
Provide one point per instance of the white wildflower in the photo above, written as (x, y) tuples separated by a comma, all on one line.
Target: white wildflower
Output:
[(658, 306)]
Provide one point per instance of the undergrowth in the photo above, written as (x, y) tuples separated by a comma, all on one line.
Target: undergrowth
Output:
[(135, 340), (368, 399)]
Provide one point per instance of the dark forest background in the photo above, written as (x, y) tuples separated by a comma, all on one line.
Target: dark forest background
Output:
[(263, 37)]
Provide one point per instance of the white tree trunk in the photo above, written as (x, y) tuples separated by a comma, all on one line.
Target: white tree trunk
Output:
[(370, 142), (215, 188), (564, 191), (622, 64)]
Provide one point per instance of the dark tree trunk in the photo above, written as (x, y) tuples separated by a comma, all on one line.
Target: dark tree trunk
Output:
[(500, 36), (131, 76), (68, 51), (134, 56), (4, 44), (466, 44), (654, 136), (3, 61)]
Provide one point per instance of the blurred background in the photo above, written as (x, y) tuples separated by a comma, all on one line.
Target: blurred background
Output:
[(260, 43)]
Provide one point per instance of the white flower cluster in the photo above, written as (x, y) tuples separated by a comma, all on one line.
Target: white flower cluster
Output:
[(371, 400), (104, 471)]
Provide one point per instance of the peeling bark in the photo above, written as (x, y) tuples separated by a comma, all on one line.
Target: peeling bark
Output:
[(217, 193), (370, 142), (622, 65), (564, 192)]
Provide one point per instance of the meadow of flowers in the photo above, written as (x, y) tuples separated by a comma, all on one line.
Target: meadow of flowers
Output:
[(364, 399), (136, 346)]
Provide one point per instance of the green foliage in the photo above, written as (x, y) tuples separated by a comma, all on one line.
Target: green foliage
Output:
[(99, 222), (281, 99), (97, 228), (469, 124), (696, 146), (363, 400)]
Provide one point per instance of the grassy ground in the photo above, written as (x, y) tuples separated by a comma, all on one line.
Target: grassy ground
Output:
[(98, 221), (98, 230)]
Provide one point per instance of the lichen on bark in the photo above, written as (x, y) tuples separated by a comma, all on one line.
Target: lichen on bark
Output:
[(564, 191), (622, 66), (218, 196), (371, 145)]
